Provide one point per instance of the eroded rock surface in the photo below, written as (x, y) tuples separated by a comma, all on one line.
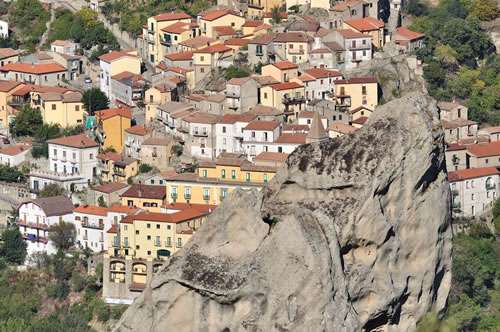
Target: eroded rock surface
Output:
[(352, 234)]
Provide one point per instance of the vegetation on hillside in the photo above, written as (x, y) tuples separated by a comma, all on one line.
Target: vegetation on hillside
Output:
[(30, 18), (460, 56), (94, 100), (131, 15), (82, 27)]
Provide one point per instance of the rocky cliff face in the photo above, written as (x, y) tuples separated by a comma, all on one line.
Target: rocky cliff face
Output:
[(352, 234)]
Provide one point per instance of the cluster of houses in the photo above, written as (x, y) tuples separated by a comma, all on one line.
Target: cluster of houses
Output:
[(240, 132)]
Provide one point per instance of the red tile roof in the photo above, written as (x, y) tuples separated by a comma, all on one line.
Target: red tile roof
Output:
[(341, 128), (177, 28), (184, 206), (407, 33), (286, 86), (472, 173), (358, 80), (77, 141), (365, 24), (295, 127), (39, 88), (344, 5), (485, 150), (283, 15), (271, 156), (171, 17), (214, 49), (237, 42), (109, 113), (290, 37), (349, 34), (145, 191), (184, 215), (357, 109), (322, 73), (262, 125), (305, 78), (180, 56), (238, 80), (112, 56), (92, 209), (292, 138), (285, 65), (225, 30), (138, 130), (233, 118), (7, 53), (217, 14), (455, 147), (37, 69), (109, 156), (113, 229), (123, 208), (6, 86), (252, 24), (14, 150), (360, 120)]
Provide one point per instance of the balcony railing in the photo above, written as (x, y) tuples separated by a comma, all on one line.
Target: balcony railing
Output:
[(89, 225), (34, 238), (173, 195), (158, 244), (206, 197), (200, 133), (454, 192), (295, 51), (490, 186), (456, 205), (359, 47), (21, 222), (456, 161), (187, 196), (293, 100)]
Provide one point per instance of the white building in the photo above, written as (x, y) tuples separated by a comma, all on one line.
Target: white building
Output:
[(37, 215), (73, 163), (306, 118), (4, 29), (14, 155), (63, 47), (258, 134), (358, 46), (107, 70), (285, 143), (474, 190), (198, 132), (322, 83), (229, 132)]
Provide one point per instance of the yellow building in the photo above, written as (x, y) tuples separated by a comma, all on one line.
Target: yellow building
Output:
[(116, 62), (287, 97), (282, 71), (356, 92), (154, 235), (268, 17), (220, 18), (257, 8), (8, 55), (214, 180), (368, 26), (111, 125), (116, 168), (157, 95), (207, 58), (63, 109), (149, 198), (156, 38), (9, 102)]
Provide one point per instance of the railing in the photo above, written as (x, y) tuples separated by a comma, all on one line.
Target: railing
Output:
[(456, 205), (359, 47), (200, 133), (294, 51), (490, 186), (206, 197), (35, 238), (187, 196), (232, 94), (294, 100), (21, 222), (157, 244), (173, 195), (101, 240), (454, 192), (456, 161), (88, 225)]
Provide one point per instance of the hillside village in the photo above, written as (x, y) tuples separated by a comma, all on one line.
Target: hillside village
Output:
[(204, 105)]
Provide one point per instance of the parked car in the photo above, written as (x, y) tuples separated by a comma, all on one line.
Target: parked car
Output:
[(6, 140), (88, 80)]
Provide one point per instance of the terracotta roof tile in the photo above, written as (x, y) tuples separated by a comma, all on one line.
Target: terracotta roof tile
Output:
[(361, 120), (109, 113), (233, 118), (92, 209), (407, 33), (109, 156), (198, 42), (6, 86), (365, 24), (171, 17), (262, 125), (225, 31), (341, 128), (286, 86), (60, 42), (349, 34), (14, 150), (7, 53), (464, 174), (37, 69), (236, 42), (138, 130), (485, 150), (292, 138), (184, 206), (285, 65), (177, 28), (288, 37), (264, 39), (117, 208), (77, 141), (217, 14), (110, 187), (271, 156), (345, 5), (177, 217), (114, 55), (53, 206), (358, 80), (145, 191), (214, 49), (322, 73), (252, 24)]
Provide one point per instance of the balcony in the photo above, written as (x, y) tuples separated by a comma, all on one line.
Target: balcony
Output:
[(35, 238), (456, 205), (126, 245), (166, 42), (173, 195), (15, 103), (222, 197), (200, 133), (21, 222), (293, 100), (232, 94), (251, 5), (454, 192), (367, 46), (101, 240), (455, 161), (187, 196), (490, 186), (294, 51), (158, 244), (117, 269), (90, 225), (206, 197)]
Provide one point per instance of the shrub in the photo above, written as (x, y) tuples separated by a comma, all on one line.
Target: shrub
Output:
[(77, 281), (51, 291), (144, 168)]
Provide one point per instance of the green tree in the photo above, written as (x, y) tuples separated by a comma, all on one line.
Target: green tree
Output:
[(109, 149), (14, 247), (435, 76), (486, 10), (432, 323), (26, 122), (276, 14), (52, 189), (101, 202), (456, 9), (63, 235), (144, 168), (236, 72), (89, 17), (464, 82), (95, 100), (416, 8), (446, 55)]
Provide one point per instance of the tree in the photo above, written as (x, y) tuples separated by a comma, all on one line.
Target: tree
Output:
[(435, 76), (464, 82), (63, 235), (52, 189), (446, 55), (26, 122), (485, 10), (89, 17), (432, 323), (276, 14), (416, 8), (456, 9), (109, 149), (14, 246), (144, 168), (94, 100), (101, 202), (236, 72)]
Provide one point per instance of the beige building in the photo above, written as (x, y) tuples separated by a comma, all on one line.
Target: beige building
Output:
[(293, 46), (8, 55), (116, 62), (9, 103), (483, 155), (134, 137), (282, 71), (456, 157), (220, 18), (155, 96), (287, 97), (337, 129), (110, 193), (63, 109), (369, 26), (459, 129), (207, 58), (450, 111), (355, 92), (42, 74), (157, 152)]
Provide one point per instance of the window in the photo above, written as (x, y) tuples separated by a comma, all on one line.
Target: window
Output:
[(125, 241), (488, 194), (202, 58), (364, 53), (224, 129), (224, 141), (157, 226), (149, 237), (364, 41), (55, 153), (152, 181), (467, 184), (146, 204), (77, 108), (149, 253), (204, 173), (265, 95), (168, 226), (187, 192), (130, 203), (137, 247), (125, 228), (363, 90), (280, 149), (364, 100), (253, 134), (136, 232), (161, 181), (169, 241), (248, 177), (472, 184), (473, 210), (486, 160), (157, 241), (179, 242), (91, 156), (265, 178), (202, 70), (206, 194), (223, 173), (472, 197), (148, 225)]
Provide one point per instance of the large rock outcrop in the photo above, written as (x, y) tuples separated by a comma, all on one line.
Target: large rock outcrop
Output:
[(352, 234)]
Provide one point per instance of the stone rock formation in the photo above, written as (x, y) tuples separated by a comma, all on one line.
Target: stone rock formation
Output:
[(353, 234)]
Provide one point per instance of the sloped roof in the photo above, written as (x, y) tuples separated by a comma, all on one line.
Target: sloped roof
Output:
[(109, 113), (409, 34), (177, 28), (110, 187), (36, 68), (271, 156), (317, 131), (285, 65), (341, 127), (214, 49), (322, 73), (198, 42), (114, 55), (77, 141), (358, 80), (286, 86), (225, 30), (365, 24), (53, 206), (7, 53), (217, 14), (92, 209), (138, 130), (233, 118), (345, 5), (291, 138), (464, 174), (348, 33), (171, 17), (145, 191), (14, 150), (6, 86), (485, 150)]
